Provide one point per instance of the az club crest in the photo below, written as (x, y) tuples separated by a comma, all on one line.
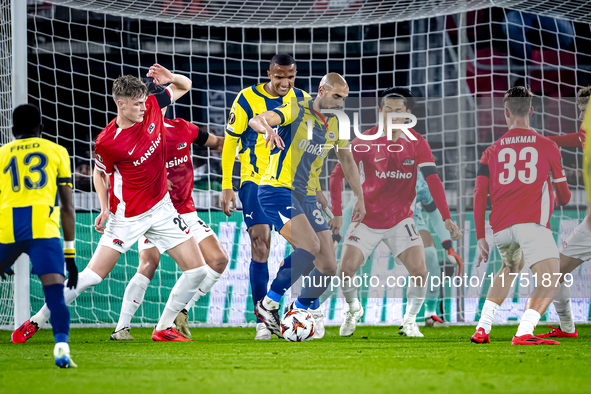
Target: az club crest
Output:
[(151, 128)]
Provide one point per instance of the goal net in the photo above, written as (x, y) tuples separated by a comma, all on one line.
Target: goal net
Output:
[(458, 57)]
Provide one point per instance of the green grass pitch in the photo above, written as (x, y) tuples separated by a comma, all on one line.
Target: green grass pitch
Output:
[(225, 360)]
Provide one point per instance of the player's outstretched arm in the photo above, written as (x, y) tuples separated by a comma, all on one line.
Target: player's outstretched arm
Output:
[(214, 142), (264, 124), (179, 84), (352, 174), (101, 186), (566, 140)]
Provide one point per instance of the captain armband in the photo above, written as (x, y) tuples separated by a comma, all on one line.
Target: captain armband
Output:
[(67, 181)]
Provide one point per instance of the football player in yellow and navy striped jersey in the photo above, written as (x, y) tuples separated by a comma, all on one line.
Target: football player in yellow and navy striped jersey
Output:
[(34, 170), (287, 192), (254, 157)]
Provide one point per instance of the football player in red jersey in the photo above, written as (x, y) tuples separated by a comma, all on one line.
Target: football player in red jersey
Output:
[(576, 248), (389, 176), (130, 153), (518, 171), (179, 135)]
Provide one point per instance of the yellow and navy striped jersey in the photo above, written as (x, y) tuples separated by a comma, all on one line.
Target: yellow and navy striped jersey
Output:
[(252, 153), (299, 164), (587, 158), (31, 170)]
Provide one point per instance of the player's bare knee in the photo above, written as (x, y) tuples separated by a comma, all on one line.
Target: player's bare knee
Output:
[(328, 268), (147, 267), (219, 263), (421, 277)]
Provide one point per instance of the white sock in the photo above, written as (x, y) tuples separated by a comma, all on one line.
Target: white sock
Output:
[(181, 293), (269, 304), (204, 287), (529, 321), (132, 299), (563, 307), (489, 310), (61, 345), (350, 294), (415, 296), (86, 279)]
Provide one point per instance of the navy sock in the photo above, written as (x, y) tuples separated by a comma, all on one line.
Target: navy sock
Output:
[(315, 304), (314, 287), (60, 315), (293, 267), (259, 279)]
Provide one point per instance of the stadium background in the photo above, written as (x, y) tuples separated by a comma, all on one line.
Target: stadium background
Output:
[(459, 57)]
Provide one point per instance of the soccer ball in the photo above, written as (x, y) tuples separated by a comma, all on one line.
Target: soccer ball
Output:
[(297, 325)]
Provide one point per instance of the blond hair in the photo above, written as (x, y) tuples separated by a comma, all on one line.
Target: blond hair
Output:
[(129, 86)]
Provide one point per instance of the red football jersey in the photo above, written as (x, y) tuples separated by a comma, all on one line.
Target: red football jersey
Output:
[(582, 134), (388, 173), (135, 159), (180, 134), (520, 164)]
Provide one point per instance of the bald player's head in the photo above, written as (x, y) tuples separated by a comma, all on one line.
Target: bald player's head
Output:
[(331, 80), (333, 90)]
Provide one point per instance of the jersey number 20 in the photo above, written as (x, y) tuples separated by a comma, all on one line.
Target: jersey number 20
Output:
[(509, 157), (39, 167)]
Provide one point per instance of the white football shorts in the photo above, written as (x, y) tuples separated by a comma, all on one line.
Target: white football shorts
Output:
[(162, 225), (533, 240), (198, 227), (578, 243), (398, 238)]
